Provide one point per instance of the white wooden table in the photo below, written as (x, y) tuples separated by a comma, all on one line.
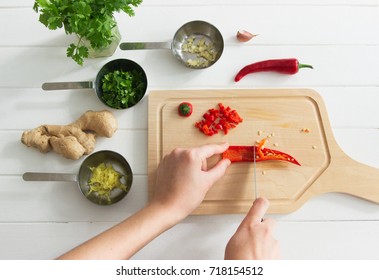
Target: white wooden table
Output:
[(340, 38)]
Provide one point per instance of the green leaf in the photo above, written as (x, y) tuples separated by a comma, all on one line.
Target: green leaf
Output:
[(77, 53), (35, 7), (83, 51), (71, 50)]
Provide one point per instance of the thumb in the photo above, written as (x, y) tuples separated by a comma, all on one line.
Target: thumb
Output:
[(217, 171)]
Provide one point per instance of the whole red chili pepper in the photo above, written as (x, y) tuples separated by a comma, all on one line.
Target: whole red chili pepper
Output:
[(284, 66)]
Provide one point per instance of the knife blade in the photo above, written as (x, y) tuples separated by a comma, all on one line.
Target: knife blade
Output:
[(255, 174)]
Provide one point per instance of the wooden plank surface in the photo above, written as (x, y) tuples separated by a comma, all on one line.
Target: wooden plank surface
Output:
[(205, 241)]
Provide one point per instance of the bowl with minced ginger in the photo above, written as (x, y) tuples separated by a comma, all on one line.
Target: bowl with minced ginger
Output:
[(105, 177)]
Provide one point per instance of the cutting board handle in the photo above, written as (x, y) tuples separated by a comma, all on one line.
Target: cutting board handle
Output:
[(346, 175), (343, 175)]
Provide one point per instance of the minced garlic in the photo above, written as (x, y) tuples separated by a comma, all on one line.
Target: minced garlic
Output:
[(202, 49)]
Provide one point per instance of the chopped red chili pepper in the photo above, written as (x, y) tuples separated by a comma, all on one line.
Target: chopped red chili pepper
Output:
[(246, 154), (284, 66), (222, 119)]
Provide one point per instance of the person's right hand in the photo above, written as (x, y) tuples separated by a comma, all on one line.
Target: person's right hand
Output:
[(253, 239)]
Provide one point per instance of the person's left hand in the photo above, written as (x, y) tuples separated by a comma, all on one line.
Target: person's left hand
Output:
[(183, 178)]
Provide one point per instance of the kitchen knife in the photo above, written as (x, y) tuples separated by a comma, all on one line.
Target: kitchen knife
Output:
[(255, 177), (255, 174)]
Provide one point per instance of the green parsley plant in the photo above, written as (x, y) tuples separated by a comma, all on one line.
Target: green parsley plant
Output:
[(89, 19)]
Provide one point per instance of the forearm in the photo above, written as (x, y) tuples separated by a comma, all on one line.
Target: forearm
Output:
[(182, 182), (128, 237)]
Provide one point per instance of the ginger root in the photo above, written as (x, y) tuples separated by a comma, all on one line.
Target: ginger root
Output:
[(74, 140)]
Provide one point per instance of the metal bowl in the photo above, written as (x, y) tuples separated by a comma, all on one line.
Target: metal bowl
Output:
[(192, 32), (197, 31), (125, 65), (118, 162), (118, 64)]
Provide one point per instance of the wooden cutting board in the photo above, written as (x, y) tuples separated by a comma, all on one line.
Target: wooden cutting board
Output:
[(279, 114)]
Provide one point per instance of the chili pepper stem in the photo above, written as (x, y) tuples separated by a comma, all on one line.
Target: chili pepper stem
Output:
[(305, 66)]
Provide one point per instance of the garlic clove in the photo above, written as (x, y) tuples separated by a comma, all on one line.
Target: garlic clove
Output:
[(244, 36)]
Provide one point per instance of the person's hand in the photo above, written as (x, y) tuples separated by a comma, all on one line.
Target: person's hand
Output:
[(183, 178), (253, 239)]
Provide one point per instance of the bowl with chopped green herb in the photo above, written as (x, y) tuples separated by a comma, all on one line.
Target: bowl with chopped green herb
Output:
[(121, 83)]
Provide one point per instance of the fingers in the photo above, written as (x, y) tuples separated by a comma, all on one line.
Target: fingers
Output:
[(206, 151), (258, 210), (218, 170), (209, 150)]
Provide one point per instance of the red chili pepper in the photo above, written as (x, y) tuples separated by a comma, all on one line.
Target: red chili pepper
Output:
[(214, 120), (284, 66), (246, 154), (185, 109)]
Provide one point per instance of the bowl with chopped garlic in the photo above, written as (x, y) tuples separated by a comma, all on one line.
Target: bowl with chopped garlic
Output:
[(197, 44)]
